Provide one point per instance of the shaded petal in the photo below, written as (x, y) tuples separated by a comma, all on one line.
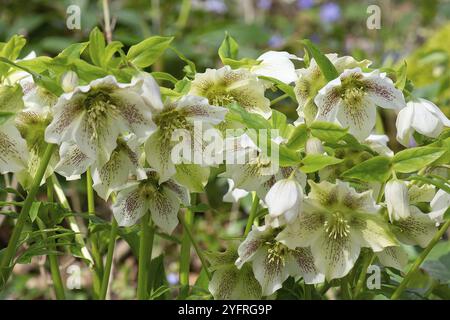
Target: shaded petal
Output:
[(381, 90), (73, 162), (130, 205), (278, 65), (424, 193), (439, 204), (397, 200), (359, 118), (335, 257), (13, 149), (418, 228), (149, 91), (164, 206), (428, 119), (394, 257), (158, 155), (270, 273), (301, 263), (328, 101), (192, 176), (404, 125), (198, 109), (181, 192), (285, 198), (234, 194), (252, 243)]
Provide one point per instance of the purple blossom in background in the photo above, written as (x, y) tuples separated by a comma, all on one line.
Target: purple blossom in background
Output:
[(330, 12), (264, 4), (172, 278), (305, 4), (276, 41), (216, 6)]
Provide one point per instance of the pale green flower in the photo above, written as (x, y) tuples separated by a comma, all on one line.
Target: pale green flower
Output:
[(310, 80), (273, 262), (335, 223), (351, 100), (181, 117), (141, 197), (93, 116), (224, 86)]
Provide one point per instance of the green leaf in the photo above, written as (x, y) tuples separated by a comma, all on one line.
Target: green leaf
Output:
[(289, 90), (164, 76), (298, 137), (229, 48), (401, 76), (315, 162), (110, 50), (34, 210), (146, 52), (374, 169), (11, 50), (97, 46), (325, 65), (279, 121), (251, 120), (414, 159), (327, 131), (189, 68)]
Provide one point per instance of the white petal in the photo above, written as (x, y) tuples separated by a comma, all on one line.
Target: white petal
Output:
[(234, 194), (158, 155), (360, 119), (328, 101), (301, 263), (130, 205), (284, 195), (252, 243), (278, 65), (198, 109), (164, 206), (417, 229), (73, 162), (428, 119), (149, 91), (13, 149), (404, 125), (382, 92), (270, 273), (397, 199), (394, 257), (439, 204)]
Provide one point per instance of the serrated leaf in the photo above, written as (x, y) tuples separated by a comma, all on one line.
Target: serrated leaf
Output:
[(315, 162), (414, 159), (374, 169), (146, 52)]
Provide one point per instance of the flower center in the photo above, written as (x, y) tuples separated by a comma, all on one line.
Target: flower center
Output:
[(353, 96), (276, 253), (99, 107), (170, 120), (337, 226)]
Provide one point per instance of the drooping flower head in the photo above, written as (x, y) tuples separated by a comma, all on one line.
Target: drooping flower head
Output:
[(335, 223), (273, 262), (351, 99), (146, 196), (224, 86), (276, 64), (422, 116), (93, 116)]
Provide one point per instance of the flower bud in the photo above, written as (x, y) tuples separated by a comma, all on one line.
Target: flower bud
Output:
[(284, 200), (313, 146), (397, 200), (69, 81)]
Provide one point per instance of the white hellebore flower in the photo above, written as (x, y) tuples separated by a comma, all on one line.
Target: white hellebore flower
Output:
[(162, 200), (225, 86), (335, 223), (94, 115), (273, 262), (351, 99), (439, 204), (422, 116), (284, 200), (13, 149), (185, 118), (278, 65), (397, 199)]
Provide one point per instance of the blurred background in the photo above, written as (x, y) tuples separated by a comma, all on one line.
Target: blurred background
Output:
[(417, 32)]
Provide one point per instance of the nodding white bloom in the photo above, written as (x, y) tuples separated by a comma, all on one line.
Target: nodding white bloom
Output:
[(69, 81), (284, 200), (179, 119), (310, 80), (439, 204), (422, 116), (378, 143), (397, 199), (124, 161), (253, 170), (273, 262), (93, 116), (351, 99), (314, 146), (162, 200), (225, 86), (335, 223), (234, 194), (394, 257), (278, 65)]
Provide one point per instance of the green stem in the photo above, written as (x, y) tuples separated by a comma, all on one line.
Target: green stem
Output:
[(308, 289), (278, 99), (109, 259), (185, 252), (345, 288), (145, 251), (252, 213), (71, 220), (98, 267), (8, 256), (107, 19), (368, 259), (419, 260), (195, 244), (184, 15)]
